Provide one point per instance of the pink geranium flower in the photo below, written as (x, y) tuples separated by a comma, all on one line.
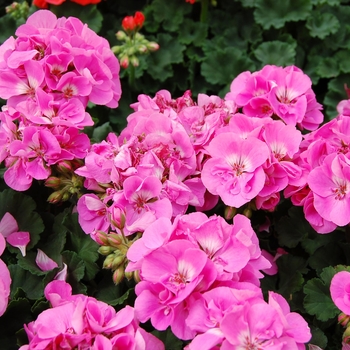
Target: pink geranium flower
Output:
[(330, 184), (340, 291), (235, 171)]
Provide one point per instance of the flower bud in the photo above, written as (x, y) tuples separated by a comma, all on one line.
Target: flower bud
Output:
[(128, 23), (139, 19), (134, 61), (117, 217), (114, 240), (124, 62), (343, 319), (153, 46), (346, 336), (105, 250), (129, 275), (247, 212), (137, 277), (101, 238), (118, 275), (55, 197), (118, 261), (120, 35), (230, 212), (107, 264), (53, 182)]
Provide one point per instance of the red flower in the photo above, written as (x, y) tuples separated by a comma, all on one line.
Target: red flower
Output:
[(131, 23), (139, 19), (191, 1), (44, 4), (128, 23)]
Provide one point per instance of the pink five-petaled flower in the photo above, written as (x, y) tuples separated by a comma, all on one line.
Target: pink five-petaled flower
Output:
[(330, 184), (234, 171), (168, 276), (340, 291), (92, 214)]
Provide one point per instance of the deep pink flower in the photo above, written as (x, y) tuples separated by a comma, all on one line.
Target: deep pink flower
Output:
[(340, 291)]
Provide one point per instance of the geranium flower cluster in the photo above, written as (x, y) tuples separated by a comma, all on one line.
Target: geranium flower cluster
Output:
[(48, 74), (44, 4), (200, 276), (176, 153), (82, 322), (325, 160)]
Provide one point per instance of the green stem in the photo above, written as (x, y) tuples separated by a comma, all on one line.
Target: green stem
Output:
[(131, 77), (204, 11)]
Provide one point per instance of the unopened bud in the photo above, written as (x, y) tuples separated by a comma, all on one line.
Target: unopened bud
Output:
[(65, 167), (120, 35), (247, 212), (124, 62), (129, 275), (105, 250), (153, 46), (118, 275), (230, 212), (116, 49), (101, 238), (142, 48), (55, 197), (118, 261), (137, 277), (53, 182), (346, 336), (134, 61), (114, 240), (107, 264), (343, 319)]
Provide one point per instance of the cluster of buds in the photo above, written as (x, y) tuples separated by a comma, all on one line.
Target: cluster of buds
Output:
[(18, 10), (115, 247), (134, 43), (344, 320), (65, 183)]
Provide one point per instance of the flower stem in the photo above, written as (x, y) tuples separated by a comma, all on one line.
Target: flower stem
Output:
[(204, 11)]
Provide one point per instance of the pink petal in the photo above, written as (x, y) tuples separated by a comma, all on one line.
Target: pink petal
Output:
[(19, 240), (8, 225), (44, 262)]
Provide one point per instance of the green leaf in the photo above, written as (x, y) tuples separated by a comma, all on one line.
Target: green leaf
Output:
[(17, 314), (271, 13), (110, 293), (335, 94), (328, 67), (83, 245), (31, 284), (221, 67), (76, 270), (291, 269), (192, 32), (321, 25), (318, 337), (8, 27), (275, 52), (292, 229), (100, 132), (22, 208), (169, 340), (160, 62), (318, 300), (342, 57), (170, 13)]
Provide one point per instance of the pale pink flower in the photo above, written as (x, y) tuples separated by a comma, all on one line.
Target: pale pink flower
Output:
[(234, 171), (330, 184)]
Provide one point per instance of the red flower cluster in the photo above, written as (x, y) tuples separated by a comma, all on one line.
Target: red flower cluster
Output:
[(131, 23), (45, 3)]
